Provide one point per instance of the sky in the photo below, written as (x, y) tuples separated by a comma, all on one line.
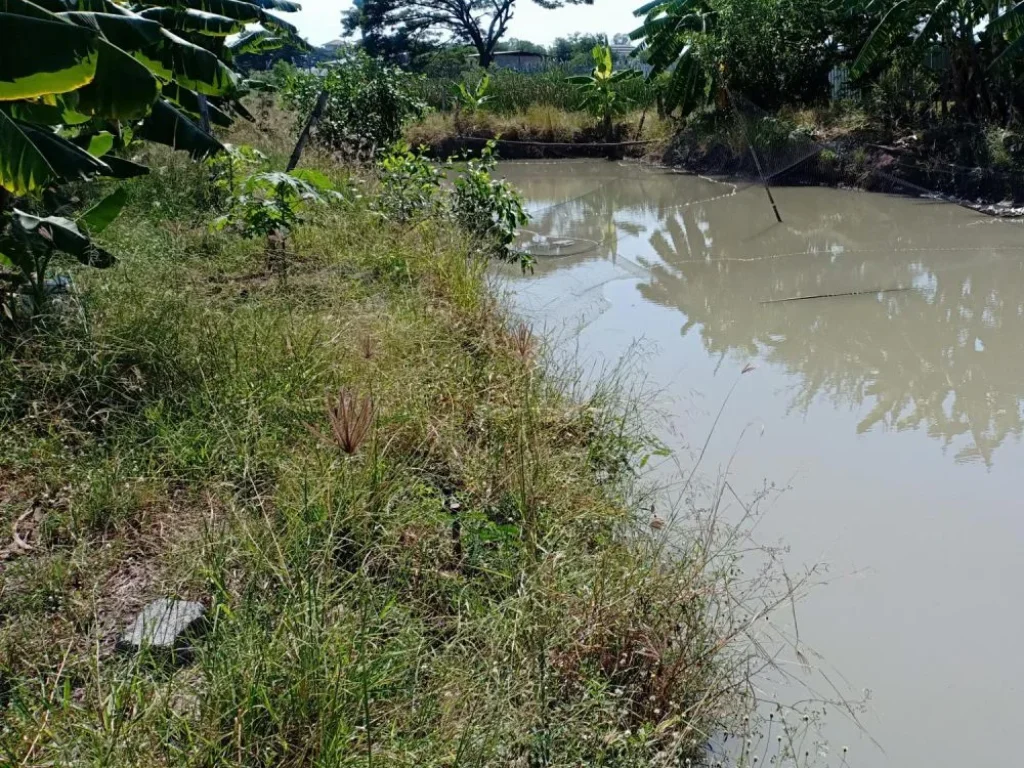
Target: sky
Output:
[(319, 21)]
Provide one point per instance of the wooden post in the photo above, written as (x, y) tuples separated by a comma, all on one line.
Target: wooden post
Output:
[(764, 181), (314, 116), (753, 153)]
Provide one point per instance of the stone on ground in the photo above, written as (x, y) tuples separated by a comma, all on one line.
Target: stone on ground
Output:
[(165, 628)]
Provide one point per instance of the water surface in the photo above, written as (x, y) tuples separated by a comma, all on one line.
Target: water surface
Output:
[(892, 416)]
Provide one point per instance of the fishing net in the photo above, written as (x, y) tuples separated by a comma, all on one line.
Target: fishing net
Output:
[(774, 152)]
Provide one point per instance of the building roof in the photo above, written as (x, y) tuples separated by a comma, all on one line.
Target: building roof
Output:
[(521, 53)]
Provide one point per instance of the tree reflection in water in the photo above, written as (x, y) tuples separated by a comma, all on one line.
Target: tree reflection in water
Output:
[(946, 356)]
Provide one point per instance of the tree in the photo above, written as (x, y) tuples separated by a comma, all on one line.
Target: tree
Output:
[(381, 39), (774, 51), (480, 23), (578, 44), (598, 89), (980, 38)]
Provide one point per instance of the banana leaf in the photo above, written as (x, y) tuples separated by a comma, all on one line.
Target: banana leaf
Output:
[(39, 57), (64, 235), (167, 125), (31, 158)]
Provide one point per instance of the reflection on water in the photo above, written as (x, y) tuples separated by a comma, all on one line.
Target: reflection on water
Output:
[(945, 356), (892, 417)]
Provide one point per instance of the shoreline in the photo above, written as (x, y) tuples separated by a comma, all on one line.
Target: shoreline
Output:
[(842, 164)]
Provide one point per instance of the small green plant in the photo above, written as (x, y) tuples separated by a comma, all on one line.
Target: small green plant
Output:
[(472, 98), (410, 183), (490, 209), (599, 91), (272, 204), (29, 243), (233, 165)]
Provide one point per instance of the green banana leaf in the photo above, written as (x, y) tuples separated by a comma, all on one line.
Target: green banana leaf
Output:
[(96, 144), (167, 125), (166, 55), (256, 41), (123, 169), (88, 6), (63, 110), (101, 215), (31, 158), (124, 89), (189, 102), (190, 20), (39, 57), (64, 235), (233, 9), (276, 22), (287, 6), (236, 106), (30, 9)]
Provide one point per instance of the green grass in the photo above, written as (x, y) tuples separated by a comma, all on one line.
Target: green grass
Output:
[(514, 92), (473, 586)]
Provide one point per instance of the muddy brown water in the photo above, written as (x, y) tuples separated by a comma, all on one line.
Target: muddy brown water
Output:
[(889, 420)]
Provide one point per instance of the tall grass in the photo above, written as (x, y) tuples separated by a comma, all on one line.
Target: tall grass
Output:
[(448, 568), (514, 92)]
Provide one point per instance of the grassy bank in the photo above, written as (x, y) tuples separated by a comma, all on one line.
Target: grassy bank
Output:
[(445, 133), (846, 145), (470, 582)]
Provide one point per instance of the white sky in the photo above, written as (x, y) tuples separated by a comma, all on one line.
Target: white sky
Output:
[(319, 21)]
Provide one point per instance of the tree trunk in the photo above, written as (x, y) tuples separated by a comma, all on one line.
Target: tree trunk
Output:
[(314, 116)]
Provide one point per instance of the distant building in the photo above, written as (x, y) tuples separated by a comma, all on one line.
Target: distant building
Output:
[(520, 61), (622, 56)]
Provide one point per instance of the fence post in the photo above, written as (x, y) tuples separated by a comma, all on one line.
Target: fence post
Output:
[(314, 117)]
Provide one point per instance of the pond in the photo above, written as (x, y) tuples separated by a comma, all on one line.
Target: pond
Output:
[(887, 412)]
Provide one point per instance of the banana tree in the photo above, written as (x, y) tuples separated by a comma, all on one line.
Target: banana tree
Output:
[(672, 37), (599, 90), (980, 37), (76, 75)]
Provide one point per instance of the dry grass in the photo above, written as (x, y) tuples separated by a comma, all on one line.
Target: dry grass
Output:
[(350, 417), (538, 123)]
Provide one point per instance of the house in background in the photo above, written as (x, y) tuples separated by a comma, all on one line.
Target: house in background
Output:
[(622, 56)]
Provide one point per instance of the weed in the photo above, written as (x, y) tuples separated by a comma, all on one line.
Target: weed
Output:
[(350, 417)]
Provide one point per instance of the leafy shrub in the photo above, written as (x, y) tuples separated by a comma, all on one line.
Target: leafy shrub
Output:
[(233, 166), (368, 102), (490, 209), (472, 98), (410, 183), (598, 90), (903, 94), (273, 203)]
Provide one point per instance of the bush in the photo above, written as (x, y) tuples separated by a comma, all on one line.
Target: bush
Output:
[(368, 103), (902, 95), (410, 184), (488, 209), (774, 51)]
